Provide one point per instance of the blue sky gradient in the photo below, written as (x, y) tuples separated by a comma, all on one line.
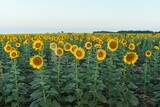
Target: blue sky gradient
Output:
[(41, 16)]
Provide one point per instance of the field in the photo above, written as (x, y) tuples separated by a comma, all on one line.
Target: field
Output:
[(80, 70)]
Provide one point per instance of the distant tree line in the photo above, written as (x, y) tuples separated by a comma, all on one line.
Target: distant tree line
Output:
[(127, 31)]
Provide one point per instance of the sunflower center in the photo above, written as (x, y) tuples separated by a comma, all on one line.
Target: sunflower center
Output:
[(38, 45), (100, 54), (78, 53), (37, 61), (113, 44), (14, 54), (130, 57), (59, 52)]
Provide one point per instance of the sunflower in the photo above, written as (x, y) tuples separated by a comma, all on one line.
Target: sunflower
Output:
[(59, 52), (18, 45), (53, 46), (14, 54), (79, 53), (7, 48), (98, 46), (60, 43), (131, 46), (73, 48), (36, 62), (148, 53), (38, 45), (112, 45), (156, 47), (101, 54), (88, 45), (130, 58), (67, 46)]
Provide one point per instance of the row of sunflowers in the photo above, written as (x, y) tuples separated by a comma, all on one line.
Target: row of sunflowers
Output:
[(80, 70)]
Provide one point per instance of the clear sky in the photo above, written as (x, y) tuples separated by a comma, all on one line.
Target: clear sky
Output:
[(35, 16)]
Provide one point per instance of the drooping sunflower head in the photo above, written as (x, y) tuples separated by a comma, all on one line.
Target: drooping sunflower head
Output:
[(67, 46), (156, 47), (14, 54), (53, 46), (112, 45), (101, 54), (59, 52), (130, 58), (148, 53), (79, 53), (7, 48), (98, 46), (131, 46), (36, 62), (88, 45), (38, 45)]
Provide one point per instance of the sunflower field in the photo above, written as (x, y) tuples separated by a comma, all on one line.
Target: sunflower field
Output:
[(80, 70)]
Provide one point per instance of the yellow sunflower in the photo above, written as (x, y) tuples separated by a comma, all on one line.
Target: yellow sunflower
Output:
[(36, 62), (156, 47), (88, 45), (101, 54), (18, 45), (148, 53), (112, 45), (59, 52), (79, 53), (53, 46), (130, 58), (60, 43), (38, 45), (67, 46), (7, 48), (131, 46), (73, 48), (98, 46), (14, 54)]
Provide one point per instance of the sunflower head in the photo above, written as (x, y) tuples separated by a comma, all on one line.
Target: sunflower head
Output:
[(36, 62), (73, 48), (148, 53), (79, 53), (14, 54), (112, 45), (53, 46), (7, 48), (131, 46), (38, 45), (98, 46), (60, 43), (67, 46), (156, 47), (101, 54), (18, 45), (59, 52), (130, 58), (88, 45)]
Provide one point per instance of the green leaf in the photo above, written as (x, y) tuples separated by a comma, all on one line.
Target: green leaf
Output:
[(70, 98), (131, 85), (56, 104)]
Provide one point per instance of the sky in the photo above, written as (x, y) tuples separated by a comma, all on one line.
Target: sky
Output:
[(41, 16)]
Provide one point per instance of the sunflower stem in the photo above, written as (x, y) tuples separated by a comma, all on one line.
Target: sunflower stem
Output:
[(1, 70), (77, 81), (14, 61), (42, 84)]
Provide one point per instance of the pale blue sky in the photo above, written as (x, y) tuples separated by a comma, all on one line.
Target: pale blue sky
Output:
[(35, 16)]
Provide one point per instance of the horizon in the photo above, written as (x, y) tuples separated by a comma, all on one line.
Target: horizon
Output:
[(53, 16)]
